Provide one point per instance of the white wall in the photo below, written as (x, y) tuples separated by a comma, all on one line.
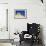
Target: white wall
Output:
[(35, 13)]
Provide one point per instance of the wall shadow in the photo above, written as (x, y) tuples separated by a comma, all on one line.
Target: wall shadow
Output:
[(41, 35)]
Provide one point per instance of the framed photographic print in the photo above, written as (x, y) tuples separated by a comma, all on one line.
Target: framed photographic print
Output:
[(20, 13)]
